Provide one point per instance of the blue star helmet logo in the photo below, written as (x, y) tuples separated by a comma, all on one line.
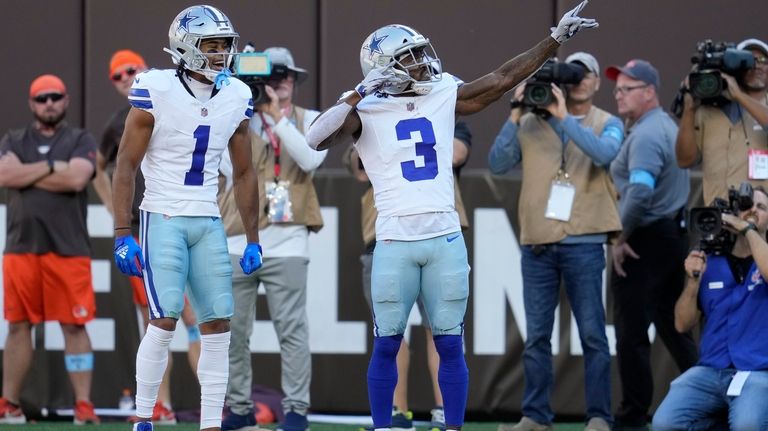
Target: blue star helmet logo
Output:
[(185, 20), (375, 45)]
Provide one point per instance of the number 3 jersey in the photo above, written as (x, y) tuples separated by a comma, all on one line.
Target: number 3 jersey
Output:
[(189, 136), (406, 146)]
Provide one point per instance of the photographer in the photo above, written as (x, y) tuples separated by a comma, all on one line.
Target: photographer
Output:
[(727, 139), (564, 158), (729, 290), (285, 165)]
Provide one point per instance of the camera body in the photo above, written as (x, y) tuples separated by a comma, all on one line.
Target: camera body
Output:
[(705, 83), (538, 88), (707, 222), (255, 69)]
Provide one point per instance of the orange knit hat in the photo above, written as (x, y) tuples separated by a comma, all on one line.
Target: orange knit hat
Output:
[(47, 84), (125, 57)]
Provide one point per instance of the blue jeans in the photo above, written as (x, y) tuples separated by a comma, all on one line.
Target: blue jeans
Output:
[(697, 400), (580, 266)]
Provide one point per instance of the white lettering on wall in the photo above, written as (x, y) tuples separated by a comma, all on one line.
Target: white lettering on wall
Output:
[(498, 284)]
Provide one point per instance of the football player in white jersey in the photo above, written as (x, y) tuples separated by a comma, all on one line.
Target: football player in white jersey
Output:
[(180, 123), (401, 119)]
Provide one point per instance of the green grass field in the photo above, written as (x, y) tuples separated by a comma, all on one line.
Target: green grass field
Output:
[(116, 426)]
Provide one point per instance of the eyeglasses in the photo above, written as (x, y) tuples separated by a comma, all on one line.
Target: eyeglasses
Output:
[(626, 90), (761, 60), (118, 76), (43, 98)]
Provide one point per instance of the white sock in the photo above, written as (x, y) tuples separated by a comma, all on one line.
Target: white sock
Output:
[(151, 361), (213, 373)]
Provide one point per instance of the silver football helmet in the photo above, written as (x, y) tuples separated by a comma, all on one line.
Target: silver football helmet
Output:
[(403, 49), (189, 28)]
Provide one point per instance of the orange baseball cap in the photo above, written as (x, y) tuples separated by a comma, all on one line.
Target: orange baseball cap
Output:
[(125, 57), (47, 84)]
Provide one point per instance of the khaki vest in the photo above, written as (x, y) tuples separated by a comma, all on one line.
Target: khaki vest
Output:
[(369, 214), (723, 147), (304, 203), (594, 208)]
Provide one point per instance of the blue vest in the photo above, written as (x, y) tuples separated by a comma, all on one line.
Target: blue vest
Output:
[(736, 318)]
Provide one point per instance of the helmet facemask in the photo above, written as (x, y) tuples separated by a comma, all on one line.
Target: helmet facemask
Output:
[(418, 67), (188, 31), (407, 53)]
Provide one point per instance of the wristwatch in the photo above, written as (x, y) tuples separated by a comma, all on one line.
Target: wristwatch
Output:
[(747, 228)]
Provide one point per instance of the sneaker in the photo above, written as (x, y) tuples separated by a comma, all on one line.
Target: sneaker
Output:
[(84, 413), (438, 419), (11, 413), (142, 426), (236, 422), (294, 422), (526, 424), (162, 415), (597, 424), (402, 421)]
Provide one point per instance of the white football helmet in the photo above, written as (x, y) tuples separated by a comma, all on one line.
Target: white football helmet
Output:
[(390, 46), (189, 28)]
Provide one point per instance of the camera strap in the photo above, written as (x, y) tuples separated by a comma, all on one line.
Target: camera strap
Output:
[(274, 141)]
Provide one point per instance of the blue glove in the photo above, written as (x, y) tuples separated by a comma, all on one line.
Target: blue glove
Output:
[(251, 260), (128, 256)]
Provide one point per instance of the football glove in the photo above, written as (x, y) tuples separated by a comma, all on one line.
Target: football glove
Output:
[(128, 256), (571, 23), (375, 80), (252, 258)]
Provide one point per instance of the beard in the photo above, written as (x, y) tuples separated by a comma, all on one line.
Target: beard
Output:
[(50, 120)]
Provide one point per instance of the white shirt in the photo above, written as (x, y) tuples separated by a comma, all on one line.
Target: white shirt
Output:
[(188, 139), (406, 146)]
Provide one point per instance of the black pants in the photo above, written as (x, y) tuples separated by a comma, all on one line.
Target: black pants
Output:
[(647, 295)]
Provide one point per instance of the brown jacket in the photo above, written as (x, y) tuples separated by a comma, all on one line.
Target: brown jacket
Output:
[(304, 203), (724, 150), (594, 208)]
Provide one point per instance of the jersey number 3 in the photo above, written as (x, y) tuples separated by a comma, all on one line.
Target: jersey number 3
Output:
[(194, 175), (425, 149)]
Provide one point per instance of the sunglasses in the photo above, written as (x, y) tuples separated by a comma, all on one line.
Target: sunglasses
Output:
[(118, 76), (43, 98)]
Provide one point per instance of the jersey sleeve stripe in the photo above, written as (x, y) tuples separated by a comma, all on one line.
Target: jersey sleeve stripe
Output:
[(249, 113), (139, 92), (141, 104)]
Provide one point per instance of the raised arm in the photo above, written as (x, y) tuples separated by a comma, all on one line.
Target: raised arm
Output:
[(476, 95)]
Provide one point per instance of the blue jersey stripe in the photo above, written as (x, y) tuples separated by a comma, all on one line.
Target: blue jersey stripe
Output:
[(150, 282), (249, 113), (142, 104), (139, 92)]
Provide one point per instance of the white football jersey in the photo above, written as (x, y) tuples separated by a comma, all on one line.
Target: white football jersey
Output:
[(181, 164), (406, 146)]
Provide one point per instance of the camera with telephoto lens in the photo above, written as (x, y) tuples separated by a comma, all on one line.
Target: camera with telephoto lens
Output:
[(707, 222), (706, 83), (538, 88)]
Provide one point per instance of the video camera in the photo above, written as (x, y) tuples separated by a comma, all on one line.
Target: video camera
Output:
[(706, 83), (256, 69), (707, 222), (538, 89)]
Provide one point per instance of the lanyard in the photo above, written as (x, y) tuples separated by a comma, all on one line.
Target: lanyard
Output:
[(275, 141)]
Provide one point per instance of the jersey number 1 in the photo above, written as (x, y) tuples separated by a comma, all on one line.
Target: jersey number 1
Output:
[(194, 175), (425, 149)]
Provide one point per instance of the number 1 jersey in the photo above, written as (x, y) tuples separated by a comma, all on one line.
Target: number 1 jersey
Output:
[(406, 146), (181, 164)]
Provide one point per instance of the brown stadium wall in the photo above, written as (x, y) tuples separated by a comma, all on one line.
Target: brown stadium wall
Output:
[(75, 38)]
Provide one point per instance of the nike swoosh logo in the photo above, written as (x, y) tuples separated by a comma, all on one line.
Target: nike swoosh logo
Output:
[(451, 239)]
